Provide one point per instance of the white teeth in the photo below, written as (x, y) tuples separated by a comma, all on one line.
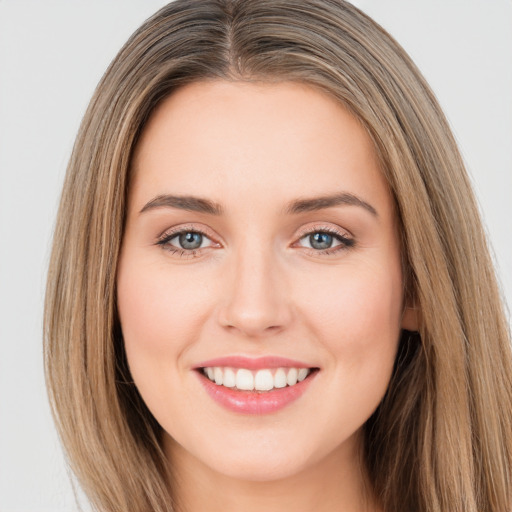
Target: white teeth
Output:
[(218, 374), (291, 378), (261, 380), (229, 379), (244, 380), (303, 373), (280, 378)]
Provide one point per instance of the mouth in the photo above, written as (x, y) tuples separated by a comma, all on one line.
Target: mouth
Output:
[(262, 381), (255, 387)]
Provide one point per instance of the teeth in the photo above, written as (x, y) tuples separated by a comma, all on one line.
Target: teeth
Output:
[(303, 373), (291, 378), (280, 378), (261, 380), (229, 379), (218, 374), (244, 380)]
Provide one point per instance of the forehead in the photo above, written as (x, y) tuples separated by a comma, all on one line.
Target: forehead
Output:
[(219, 138)]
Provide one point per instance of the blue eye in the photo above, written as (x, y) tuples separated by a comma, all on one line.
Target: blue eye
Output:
[(190, 240), (185, 241), (321, 240), (326, 241)]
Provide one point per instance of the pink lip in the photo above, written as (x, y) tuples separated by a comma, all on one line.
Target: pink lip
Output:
[(255, 402), (253, 363)]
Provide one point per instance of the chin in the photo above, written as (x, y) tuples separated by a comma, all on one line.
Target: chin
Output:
[(248, 458), (260, 469)]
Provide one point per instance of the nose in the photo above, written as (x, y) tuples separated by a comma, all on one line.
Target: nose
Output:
[(256, 302)]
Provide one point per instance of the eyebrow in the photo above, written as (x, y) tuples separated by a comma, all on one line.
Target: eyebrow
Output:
[(189, 203), (323, 202), (202, 205)]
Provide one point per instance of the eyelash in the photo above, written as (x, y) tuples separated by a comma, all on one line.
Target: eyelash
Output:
[(345, 241), (164, 240)]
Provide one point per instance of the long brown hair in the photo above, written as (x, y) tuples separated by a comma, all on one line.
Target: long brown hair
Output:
[(441, 440)]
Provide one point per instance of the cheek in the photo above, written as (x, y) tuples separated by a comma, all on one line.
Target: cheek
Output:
[(362, 299), (157, 308), (357, 317), (161, 314)]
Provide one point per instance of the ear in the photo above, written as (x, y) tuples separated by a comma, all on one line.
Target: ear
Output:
[(411, 318)]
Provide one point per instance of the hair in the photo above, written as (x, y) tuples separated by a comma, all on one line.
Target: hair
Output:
[(441, 440)]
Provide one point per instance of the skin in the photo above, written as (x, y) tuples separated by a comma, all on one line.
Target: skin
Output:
[(258, 287)]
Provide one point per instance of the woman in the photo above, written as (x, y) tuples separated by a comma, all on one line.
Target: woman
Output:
[(269, 285)]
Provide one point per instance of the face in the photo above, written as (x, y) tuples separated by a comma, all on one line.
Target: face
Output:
[(260, 246)]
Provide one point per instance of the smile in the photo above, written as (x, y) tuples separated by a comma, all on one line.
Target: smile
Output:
[(255, 386), (263, 380)]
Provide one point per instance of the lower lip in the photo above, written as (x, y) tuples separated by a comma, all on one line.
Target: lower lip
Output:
[(255, 402)]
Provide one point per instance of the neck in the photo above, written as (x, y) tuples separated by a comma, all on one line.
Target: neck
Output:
[(335, 483)]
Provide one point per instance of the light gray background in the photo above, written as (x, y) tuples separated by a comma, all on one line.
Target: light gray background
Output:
[(53, 52)]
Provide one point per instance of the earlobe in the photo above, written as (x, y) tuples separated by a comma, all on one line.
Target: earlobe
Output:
[(411, 319)]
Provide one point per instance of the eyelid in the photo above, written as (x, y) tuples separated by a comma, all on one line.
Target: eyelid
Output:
[(346, 239), (325, 228), (184, 228), (164, 239)]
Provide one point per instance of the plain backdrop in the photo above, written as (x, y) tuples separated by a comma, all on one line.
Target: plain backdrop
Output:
[(52, 54)]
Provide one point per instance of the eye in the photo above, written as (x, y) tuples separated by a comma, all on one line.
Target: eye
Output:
[(189, 240), (326, 241), (185, 242)]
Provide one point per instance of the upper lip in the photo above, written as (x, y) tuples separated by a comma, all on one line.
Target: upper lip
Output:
[(253, 363)]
